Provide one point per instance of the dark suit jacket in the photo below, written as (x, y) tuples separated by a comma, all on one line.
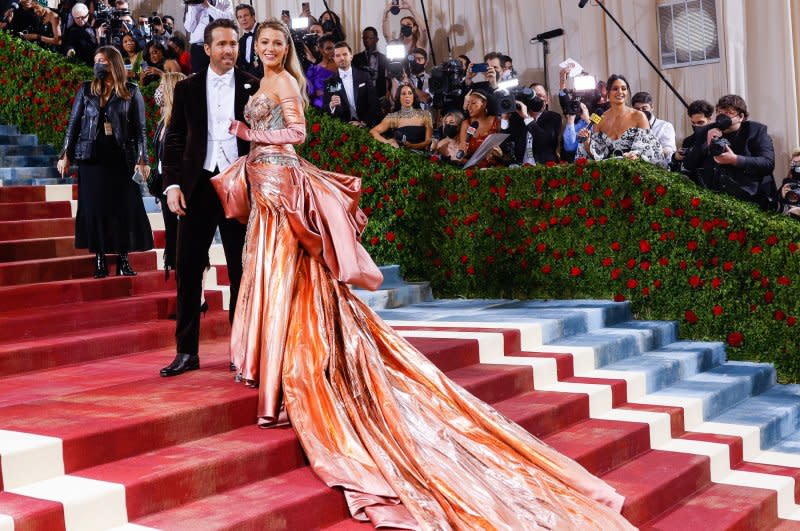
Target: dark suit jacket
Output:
[(546, 131), (382, 81), (514, 146), (366, 101), (253, 67), (751, 178), (185, 148)]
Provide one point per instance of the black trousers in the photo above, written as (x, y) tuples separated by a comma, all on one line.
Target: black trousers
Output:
[(195, 233), (198, 56)]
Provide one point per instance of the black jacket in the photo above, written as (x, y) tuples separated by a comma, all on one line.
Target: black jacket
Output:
[(381, 79), (254, 66), (83, 40), (127, 123), (514, 146), (366, 101), (546, 130), (751, 179)]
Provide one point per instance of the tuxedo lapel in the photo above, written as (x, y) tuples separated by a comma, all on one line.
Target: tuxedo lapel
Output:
[(200, 99)]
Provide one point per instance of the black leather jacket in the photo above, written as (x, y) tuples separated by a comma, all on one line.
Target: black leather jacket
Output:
[(127, 122)]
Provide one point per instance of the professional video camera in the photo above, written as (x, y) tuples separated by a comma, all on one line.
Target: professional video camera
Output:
[(584, 91), (447, 83), (504, 99), (398, 60), (111, 18)]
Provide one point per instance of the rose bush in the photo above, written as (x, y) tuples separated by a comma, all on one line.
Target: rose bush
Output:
[(615, 230)]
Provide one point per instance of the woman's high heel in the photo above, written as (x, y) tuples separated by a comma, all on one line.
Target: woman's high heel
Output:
[(124, 267), (100, 266)]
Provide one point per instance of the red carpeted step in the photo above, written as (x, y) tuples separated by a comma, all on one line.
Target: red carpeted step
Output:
[(787, 525), (297, 500), (21, 325), (545, 412), (30, 271), (564, 367), (35, 295), (32, 514), (222, 275), (36, 228), (447, 354), (197, 469), (511, 336), (159, 239), (349, 524), (492, 383), (657, 480), (775, 470), (39, 248), (619, 388), (721, 507), (35, 210), (110, 423), (77, 347), (22, 194)]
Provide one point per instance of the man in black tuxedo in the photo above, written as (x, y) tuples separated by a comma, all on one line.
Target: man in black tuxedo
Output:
[(373, 61), (198, 146), (349, 94), (544, 128), (248, 59)]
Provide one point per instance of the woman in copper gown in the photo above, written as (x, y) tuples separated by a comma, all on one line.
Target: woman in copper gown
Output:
[(409, 448)]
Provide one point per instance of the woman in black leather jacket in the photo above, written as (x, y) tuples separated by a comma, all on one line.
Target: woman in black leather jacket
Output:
[(107, 136)]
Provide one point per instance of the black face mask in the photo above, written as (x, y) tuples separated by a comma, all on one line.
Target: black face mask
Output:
[(450, 130), (406, 30), (100, 71), (328, 26), (648, 115), (417, 68)]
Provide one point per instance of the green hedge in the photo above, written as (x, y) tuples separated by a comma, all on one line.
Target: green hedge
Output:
[(620, 230)]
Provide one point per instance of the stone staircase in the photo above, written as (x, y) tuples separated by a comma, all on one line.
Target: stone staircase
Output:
[(23, 161), (92, 438)]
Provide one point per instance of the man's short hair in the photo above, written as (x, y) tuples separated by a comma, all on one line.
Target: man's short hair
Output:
[(326, 38), (735, 102), (170, 17), (370, 28), (420, 51), (218, 23), (79, 10), (179, 41), (506, 59), (247, 7), (342, 44), (700, 107), (492, 55), (642, 97)]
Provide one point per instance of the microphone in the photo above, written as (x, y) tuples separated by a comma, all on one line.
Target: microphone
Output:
[(548, 35), (471, 130), (582, 3)]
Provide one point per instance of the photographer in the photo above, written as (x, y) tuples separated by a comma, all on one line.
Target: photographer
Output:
[(699, 112), (790, 190), (157, 31), (80, 40), (484, 76), (198, 15), (410, 34), (738, 159), (575, 124)]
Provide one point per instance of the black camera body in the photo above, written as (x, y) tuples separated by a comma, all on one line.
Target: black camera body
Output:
[(447, 82), (718, 146), (575, 98), (192, 2), (792, 195)]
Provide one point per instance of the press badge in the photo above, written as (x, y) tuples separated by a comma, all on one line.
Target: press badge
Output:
[(107, 128)]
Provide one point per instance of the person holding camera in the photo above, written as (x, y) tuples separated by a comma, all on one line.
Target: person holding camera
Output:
[(349, 94), (485, 75), (80, 39), (577, 119), (699, 112), (198, 15), (790, 190), (410, 126), (107, 135), (410, 35), (738, 159)]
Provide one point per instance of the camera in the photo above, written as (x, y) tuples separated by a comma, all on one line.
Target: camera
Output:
[(395, 9), (584, 91), (446, 83), (112, 19), (792, 195), (718, 146), (192, 2)]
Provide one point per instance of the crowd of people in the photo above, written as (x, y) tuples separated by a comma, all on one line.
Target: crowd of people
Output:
[(455, 106)]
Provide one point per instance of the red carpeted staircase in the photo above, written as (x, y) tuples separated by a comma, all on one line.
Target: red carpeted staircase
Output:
[(92, 438)]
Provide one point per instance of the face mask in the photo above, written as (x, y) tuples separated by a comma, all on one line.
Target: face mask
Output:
[(328, 26), (417, 68), (796, 169), (100, 71), (406, 30), (648, 115), (145, 29), (158, 96), (450, 130)]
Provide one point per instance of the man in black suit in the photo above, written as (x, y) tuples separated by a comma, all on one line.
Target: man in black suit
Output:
[(198, 146), (248, 59), (743, 167), (373, 61), (349, 94), (544, 128)]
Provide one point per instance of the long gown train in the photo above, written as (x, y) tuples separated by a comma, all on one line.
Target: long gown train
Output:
[(409, 447)]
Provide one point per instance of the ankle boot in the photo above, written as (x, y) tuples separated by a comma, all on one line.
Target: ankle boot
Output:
[(124, 267), (100, 267)]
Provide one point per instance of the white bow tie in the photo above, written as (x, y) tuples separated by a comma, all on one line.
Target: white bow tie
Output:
[(221, 81)]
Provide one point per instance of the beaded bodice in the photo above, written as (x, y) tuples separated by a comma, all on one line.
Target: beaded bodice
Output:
[(263, 114)]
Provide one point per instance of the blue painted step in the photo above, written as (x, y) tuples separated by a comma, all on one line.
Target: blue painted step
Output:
[(19, 175), (16, 161), (15, 150), (19, 140), (9, 130)]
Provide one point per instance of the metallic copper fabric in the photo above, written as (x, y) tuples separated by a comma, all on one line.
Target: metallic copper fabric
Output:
[(410, 448)]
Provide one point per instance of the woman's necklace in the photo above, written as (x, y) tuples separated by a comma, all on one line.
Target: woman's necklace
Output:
[(407, 112)]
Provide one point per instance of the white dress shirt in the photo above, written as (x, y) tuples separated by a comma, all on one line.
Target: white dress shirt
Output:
[(664, 131), (348, 83), (198, 17), (221, 148)]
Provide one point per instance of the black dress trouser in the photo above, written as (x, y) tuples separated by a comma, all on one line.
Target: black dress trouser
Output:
[(195, 233)]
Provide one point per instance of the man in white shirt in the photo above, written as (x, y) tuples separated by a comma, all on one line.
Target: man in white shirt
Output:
[(197, 18), (350, 94), (663, 130), (198, 146)]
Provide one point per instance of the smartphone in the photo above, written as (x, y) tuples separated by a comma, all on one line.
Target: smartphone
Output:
[(395, 9), (305, 8), (477, 68)]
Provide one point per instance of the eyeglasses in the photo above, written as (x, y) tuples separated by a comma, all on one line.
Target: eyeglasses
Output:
[(81, 17)]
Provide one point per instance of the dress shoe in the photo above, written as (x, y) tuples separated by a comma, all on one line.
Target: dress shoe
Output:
[(181, 364), (100, 267), (124, 267)]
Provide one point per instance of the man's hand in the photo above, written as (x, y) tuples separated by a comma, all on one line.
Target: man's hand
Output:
[(794, 211), (491, 77), (176, 202), (728, 157), (785, 189), (522, 110), (336, 101), (712, 134), (357, 123)]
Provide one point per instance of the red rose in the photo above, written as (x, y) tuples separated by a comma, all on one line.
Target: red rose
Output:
[(374, 240), (468, 173), (717, 310), (581, 161), (792, 247), (657, 283), (615, 273), (695, 202), (756, 249), (661, 189), (727, 266), (315, 128), (663, 261), (755, 274), (690, 317), (595, 174), (735, 339), (575, 271), (546, 269), (615, 246), (695, 281), (779, 315), (645, 266), (715, 283), (656, 226), (464, 259), (390, 236), (772, 239), (644, 246), (632, 283), (784, 281), (619, 297), (470, 270), (768, 296), (791, 320), (589, 250)]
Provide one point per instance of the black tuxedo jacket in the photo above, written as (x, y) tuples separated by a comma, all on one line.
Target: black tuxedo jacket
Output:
[(382, 81), (187, 136), (254, 66), (366, 101), (546, 131)]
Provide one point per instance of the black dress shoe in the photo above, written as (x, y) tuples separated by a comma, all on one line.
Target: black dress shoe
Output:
[(181, 364), (232, 367), (100, 267)]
